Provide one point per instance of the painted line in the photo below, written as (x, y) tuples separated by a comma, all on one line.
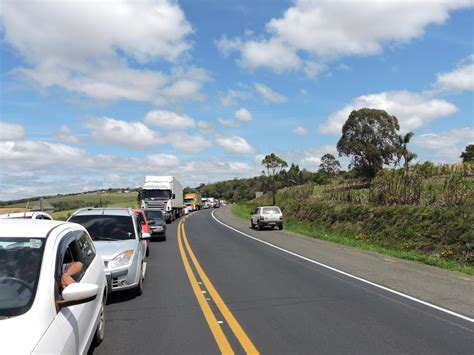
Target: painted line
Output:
[(411, 298), (216, 330), (239, 333)]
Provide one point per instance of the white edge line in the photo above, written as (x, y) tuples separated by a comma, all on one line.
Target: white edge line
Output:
[(350, 275)]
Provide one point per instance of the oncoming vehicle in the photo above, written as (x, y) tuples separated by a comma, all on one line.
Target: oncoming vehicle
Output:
[(143, 221), (266, 216), (39, 311), (28, 215), (157, 222), (120, 241)]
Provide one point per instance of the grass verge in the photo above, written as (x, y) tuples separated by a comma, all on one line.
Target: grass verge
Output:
[(307, 229)]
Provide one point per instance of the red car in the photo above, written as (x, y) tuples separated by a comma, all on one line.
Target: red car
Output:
[(145, 226)]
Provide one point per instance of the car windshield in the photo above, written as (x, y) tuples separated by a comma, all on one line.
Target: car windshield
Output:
[(106, 227), (20, 265), (154, 215), (270, 210), (164, 194)]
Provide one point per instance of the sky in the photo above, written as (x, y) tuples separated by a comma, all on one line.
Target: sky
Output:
[(99, 94)]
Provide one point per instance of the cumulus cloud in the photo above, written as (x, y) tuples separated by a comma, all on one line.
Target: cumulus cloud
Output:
[(11, 131), (169, 120), (157, 161), (64, 135), (300, 131), (325, 30), (86, 48), (269, 95), (235, 144), (311, 158), (188, 143), (459, 79), (413, 110), (232, 97), (133, 135), (445, 146), (241, 115)]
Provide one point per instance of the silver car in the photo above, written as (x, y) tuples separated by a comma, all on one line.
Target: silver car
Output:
[(120, 242), (266, 216)]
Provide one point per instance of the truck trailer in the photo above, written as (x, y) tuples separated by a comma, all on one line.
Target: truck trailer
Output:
[(164, 193)]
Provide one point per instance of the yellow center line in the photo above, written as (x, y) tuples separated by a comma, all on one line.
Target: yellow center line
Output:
[(216, 330), (233, 324)]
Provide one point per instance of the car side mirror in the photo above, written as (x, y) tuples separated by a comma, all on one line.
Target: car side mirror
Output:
[(78, 293), (145, 236), (251, 213)]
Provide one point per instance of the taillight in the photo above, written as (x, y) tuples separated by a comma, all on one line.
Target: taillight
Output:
[(262, 218), (281, 218)]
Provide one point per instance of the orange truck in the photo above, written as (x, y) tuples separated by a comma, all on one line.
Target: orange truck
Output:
[(193, 201)]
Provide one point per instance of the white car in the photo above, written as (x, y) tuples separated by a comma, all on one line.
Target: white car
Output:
[(39, 312), (27, 215), (266, 216)]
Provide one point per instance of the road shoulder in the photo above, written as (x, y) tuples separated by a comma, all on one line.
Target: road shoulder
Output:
[(444, 288)]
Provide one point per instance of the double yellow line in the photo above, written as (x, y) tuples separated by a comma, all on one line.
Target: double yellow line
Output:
[(215, 327)]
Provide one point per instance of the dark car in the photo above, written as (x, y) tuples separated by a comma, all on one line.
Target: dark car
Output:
[(157, 222)]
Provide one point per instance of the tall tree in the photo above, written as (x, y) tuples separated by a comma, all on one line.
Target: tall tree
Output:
[(468, 155), (329, 165), (274, 164), (370, 138), (404, 153)]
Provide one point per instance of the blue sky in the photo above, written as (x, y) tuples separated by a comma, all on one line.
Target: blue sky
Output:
[(98, 95)]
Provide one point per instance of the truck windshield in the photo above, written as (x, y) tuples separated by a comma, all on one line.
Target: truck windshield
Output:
[(20, 265), (189, 199), (164, 194)]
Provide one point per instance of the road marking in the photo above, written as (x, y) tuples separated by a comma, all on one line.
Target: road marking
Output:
[(216, 330), (350, 275), (239, 333)]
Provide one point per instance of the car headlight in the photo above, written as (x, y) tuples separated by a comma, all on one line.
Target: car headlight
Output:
[(122, 259)]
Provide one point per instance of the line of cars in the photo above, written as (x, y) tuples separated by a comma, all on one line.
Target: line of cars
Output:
[(39, 312)]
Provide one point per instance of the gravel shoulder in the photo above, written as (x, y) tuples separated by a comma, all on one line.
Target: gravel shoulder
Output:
[(444, 288)]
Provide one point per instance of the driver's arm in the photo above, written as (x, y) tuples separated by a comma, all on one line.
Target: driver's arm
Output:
[(71, 269)]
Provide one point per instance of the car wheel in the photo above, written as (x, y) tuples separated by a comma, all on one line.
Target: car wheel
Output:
[(280, 227), (139, 289), (100, 331), (147, 251), (163, 238), (252, 225), (259, 226)]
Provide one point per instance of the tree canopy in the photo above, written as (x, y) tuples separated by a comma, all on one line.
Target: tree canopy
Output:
[(274, 164), (370, 137), (468, 155), (329, 165)]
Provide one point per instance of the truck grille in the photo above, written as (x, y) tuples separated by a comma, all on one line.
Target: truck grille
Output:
[(155, 204)]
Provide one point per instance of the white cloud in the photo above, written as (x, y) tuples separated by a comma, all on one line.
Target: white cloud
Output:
[(229, 122), (243, 114), (235, 144), (157, 161), (187, 143), (169, 120), (324, 30), (459, 79), (86, 46), (413, 110), (300, 131), (445, 146), (11, 131), (269, 95), (64, 135), (134, 135), (312, 157), (232, 97)]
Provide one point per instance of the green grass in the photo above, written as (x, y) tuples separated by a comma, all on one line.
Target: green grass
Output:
[(307, 229)]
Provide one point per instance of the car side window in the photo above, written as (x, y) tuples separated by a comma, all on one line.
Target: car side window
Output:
[(86, 248), (257, 211)]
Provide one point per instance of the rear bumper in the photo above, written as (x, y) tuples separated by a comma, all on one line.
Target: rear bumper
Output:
[(270, 223)]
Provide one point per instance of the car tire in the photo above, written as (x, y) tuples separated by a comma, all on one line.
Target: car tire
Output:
[(280, 227), (100, 331), (259, 226), (139, 289), (147, 254), (252, 225), (164, 238)]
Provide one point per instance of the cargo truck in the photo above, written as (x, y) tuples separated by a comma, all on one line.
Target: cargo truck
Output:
[(193, 201), (164, 193)]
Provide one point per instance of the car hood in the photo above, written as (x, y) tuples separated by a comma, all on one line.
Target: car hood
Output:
[(110, 249), (19, 335)]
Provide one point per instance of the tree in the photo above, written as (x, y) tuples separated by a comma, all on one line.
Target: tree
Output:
[(274, 164), (468, 154), (403, 150), (370, 137), (329, 165)]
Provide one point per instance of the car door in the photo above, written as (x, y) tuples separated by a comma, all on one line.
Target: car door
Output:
[(75, 321), (255, 216)]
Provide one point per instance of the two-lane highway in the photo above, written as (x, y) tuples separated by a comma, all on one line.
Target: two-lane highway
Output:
[(210, 289)]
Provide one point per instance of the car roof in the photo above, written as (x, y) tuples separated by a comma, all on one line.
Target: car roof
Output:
[(104, 211), (23, 214), (269, 207), (28, 228)]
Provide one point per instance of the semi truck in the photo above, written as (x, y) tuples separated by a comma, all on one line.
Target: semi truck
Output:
[(164, 193), (193, 201)]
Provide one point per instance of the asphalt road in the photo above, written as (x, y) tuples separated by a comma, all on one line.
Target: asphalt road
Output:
[(209, 289)]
